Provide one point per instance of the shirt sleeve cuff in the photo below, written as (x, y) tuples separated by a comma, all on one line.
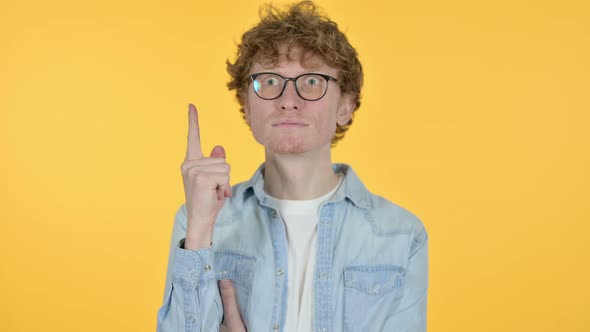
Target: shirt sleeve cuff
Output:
[(193, 268)]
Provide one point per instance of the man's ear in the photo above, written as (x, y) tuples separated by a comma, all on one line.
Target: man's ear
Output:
[(244, 100), (246, 114), (345, 109)]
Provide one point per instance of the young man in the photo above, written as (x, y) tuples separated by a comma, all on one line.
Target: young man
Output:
[(302, 245)]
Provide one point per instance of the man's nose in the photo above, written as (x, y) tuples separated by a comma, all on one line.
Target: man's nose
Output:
[(290, 100)]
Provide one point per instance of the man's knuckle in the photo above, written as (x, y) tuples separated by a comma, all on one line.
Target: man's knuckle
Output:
[(199, 176), (184, 167)]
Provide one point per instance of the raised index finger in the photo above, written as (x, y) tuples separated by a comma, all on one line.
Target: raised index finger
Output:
[(193, 149)]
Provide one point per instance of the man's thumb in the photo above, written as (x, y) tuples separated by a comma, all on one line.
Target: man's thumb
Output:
[(223, 190), (218, 152)]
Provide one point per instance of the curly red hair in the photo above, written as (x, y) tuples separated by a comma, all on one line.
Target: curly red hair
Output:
[(299, 26)]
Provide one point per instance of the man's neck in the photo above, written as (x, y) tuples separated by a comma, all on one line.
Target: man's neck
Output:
[(299, 176)]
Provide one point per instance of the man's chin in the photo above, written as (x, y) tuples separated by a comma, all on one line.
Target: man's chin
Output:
[(289, 145)]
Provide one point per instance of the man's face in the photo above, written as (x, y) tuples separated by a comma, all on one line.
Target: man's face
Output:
[(291, 124)]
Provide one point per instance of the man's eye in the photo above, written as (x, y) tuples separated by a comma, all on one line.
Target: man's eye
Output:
[(312, 81), (271, 81)]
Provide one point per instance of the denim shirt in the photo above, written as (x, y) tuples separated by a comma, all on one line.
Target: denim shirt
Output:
[(371, 271)]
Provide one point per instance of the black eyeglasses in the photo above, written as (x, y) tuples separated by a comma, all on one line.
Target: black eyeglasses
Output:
[(310, 86)]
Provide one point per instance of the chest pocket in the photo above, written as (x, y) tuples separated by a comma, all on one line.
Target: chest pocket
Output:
[(371, 294), (239, 268)]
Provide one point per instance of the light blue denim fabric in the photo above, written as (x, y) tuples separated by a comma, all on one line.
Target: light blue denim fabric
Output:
[(371, 270)]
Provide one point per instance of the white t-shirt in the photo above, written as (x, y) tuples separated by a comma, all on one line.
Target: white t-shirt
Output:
[(300, 218)]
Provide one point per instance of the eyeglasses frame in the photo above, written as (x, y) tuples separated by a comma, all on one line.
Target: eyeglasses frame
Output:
[(328, 78)]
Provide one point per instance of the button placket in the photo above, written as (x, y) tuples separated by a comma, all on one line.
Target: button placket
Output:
[(277, 232)]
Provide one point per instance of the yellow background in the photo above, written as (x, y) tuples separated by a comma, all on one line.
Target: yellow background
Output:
[(474, 117)]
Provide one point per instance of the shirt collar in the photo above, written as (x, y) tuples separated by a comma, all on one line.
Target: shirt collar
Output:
[(351, 187)]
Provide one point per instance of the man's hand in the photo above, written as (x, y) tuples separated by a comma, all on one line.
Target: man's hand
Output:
[(232, 320), (206, 185)]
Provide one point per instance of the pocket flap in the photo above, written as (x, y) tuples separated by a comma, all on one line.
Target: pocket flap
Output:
[(231, 264), (374, 279)]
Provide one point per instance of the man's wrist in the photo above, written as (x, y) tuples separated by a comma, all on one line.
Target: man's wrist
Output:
[(198, 238)]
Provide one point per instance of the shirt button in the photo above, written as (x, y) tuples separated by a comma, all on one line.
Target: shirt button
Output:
[(207, 267), (276, 327), (273, 214), (322, 275), (280, 272)]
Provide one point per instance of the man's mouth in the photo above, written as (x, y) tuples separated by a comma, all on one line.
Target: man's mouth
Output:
[(289, 123)]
